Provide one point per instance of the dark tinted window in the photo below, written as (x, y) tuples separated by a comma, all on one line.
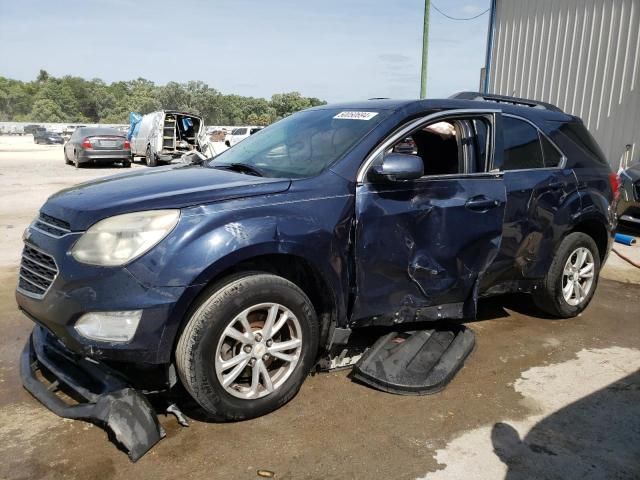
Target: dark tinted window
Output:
[(481, 138), (521, 145), (552, 157), (577, 132)]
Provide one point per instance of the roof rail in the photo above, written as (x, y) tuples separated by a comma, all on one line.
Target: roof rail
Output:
[(520, 102)]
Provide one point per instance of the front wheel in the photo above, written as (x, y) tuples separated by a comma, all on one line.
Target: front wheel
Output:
[(248, 347), (572, 278)]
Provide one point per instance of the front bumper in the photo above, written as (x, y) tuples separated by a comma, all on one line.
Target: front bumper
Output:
[(78, 289), (106, 397)]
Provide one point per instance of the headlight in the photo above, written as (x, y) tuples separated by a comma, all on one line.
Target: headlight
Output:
[(117, 240)]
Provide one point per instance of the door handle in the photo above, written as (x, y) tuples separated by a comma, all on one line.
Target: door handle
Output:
[(481, 203)]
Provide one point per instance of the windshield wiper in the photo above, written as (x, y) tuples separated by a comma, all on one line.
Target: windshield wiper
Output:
[(242, 168)]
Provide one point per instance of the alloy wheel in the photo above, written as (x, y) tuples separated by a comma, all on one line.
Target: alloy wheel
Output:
[(258, 351), (577, 276)]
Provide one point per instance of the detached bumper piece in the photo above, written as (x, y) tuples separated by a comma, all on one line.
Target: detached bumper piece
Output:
[(415, 363), (106, 399)]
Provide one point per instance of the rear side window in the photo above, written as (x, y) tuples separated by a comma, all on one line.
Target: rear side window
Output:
[(577, 132), (521, 145), (552, 157)]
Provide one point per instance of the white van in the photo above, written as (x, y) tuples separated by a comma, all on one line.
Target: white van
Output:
[(167, 135), (240, 133)]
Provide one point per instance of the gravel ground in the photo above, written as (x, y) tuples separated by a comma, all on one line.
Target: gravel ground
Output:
[(538, 398)]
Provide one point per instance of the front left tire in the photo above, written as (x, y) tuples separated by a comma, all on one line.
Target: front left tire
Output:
[(248, 346)]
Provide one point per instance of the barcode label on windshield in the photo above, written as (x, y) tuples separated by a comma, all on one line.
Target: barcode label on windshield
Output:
[(356, 115)]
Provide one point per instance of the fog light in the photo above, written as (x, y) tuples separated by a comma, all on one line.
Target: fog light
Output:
[(117, 327)]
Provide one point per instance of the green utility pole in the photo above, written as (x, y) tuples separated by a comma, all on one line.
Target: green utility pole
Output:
[(425, 49)]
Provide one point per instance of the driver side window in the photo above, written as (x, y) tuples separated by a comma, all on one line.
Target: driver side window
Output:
[(448, 147)]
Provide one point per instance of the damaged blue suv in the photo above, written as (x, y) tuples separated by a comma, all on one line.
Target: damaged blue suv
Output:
[(234, 276)]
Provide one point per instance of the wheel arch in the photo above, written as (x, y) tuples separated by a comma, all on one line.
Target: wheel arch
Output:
[(597, 230), (293, 267)]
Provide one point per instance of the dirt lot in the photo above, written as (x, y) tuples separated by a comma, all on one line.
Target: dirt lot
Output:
[(537, 399)]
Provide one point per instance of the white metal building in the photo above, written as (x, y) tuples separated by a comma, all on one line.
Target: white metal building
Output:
[(581, 55)]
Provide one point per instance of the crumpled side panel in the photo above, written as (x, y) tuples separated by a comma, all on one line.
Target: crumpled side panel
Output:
[(418, 246)]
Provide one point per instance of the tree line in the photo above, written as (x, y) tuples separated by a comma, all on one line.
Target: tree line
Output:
[(76, 100)]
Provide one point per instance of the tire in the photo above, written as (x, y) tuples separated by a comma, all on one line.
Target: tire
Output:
[(150, 158), (66, 159), (550, 297), (126, 164), (76, 162), (199, 349)]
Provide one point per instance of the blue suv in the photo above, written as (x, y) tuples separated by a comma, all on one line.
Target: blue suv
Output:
[(232, 277)]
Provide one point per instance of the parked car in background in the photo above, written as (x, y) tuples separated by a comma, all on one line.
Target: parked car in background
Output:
[(69, 129), (47, 137), (32, 127), (91, 145), (239, 134), (233, 276), (12, 130), (167, 135), (629, 203)]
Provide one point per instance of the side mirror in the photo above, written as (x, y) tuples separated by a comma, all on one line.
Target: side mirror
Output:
[(399, 166)]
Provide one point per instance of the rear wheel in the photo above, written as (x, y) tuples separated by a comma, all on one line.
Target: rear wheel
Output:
[(76, 162), (126, 163), (572, 278), (248, 347), (66, 159), (150, 157)]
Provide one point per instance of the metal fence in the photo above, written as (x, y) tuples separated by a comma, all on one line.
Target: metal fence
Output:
[(581, 55)]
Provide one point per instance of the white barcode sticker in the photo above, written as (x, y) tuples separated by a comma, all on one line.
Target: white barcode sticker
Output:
[(356, 115)]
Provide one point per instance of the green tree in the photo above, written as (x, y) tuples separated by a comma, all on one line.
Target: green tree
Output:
[(46, 110), (75, 99)]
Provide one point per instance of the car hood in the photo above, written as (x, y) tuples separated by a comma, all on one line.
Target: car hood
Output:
[(152, 189)]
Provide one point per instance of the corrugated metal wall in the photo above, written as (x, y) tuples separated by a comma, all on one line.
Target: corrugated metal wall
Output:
[(581, 55)]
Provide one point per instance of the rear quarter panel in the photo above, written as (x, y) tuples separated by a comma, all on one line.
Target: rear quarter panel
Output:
[(592, 172)]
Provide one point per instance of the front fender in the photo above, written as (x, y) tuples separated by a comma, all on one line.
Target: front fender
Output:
[(210, 239)]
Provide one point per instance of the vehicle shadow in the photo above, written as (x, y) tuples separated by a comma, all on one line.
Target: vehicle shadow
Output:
[(497, 307), (596, 437)]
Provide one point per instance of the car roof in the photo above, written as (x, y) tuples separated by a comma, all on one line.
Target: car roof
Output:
[(416, 106)]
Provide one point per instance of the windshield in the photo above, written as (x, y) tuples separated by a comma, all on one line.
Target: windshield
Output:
[(303, 144)]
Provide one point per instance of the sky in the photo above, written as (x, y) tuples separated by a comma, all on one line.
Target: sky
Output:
[(336, 50)]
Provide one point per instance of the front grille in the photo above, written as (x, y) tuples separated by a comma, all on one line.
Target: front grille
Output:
[(37, 272), (52, 226)]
